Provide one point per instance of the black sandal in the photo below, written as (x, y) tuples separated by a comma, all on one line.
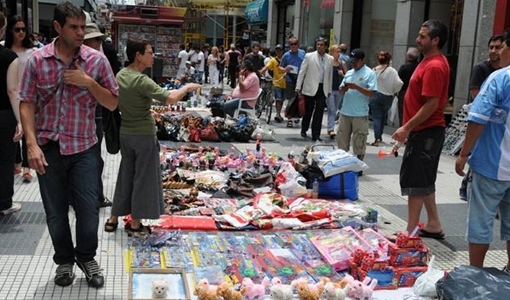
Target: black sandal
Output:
[(141, 229), (110, 226)]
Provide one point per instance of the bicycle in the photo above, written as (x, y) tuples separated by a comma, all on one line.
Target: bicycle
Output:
[(265, 100)]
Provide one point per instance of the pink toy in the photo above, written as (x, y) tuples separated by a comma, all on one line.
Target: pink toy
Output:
[(254, 290), (205, 283), (362, 290), (311, 286)]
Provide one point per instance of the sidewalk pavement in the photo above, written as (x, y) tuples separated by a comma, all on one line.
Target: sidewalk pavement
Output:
[(27, 268)]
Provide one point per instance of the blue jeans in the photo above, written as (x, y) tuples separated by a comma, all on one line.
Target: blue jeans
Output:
[(230, 106), (379, 107), (71, 176), (332, 102)]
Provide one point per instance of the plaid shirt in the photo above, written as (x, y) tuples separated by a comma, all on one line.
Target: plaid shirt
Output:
[(64, 112)]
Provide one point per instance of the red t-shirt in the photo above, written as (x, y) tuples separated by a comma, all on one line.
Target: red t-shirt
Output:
[(429, 80)]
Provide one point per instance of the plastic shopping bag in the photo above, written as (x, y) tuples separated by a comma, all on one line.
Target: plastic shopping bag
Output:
[(425, 285), (393, 113)]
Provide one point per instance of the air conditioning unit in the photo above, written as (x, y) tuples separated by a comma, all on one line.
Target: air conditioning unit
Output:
[(150, 12)]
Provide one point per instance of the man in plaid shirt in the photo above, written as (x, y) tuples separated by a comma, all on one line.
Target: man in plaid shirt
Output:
[(61, 85)]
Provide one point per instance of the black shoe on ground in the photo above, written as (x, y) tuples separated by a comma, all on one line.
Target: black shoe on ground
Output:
[(278, 119), (317, 138), (506, 270), (64, 274), (106, 202), (303, 134), (93, 273)]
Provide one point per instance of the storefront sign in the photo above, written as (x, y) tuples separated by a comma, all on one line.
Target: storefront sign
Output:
[(242, 3), (257, 12), (328, 3)]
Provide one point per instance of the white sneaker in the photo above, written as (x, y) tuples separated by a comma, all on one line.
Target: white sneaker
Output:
[(14, 208)]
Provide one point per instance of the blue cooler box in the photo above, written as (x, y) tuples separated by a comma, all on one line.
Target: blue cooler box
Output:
[(340, 186)]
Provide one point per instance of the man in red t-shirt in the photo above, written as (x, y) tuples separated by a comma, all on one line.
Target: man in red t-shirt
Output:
[(423, 129)]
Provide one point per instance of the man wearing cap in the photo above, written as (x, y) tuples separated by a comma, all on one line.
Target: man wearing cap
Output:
[(94, 39), (358, 86), (189, 73), (279, 83)]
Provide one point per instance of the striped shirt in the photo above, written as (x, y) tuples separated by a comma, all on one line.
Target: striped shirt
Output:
[(490, 156), (64, 112)]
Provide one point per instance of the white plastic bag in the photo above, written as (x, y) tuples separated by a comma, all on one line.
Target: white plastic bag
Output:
[(393, 113), (425, 285), (266, 133)]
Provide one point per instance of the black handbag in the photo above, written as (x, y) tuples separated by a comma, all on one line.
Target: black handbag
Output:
[(111, 124)]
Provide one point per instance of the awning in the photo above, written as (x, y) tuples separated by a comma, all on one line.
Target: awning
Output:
[(257, 12), (157, 15)]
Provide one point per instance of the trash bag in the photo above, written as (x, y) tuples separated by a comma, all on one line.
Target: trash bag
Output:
[(472, 283)]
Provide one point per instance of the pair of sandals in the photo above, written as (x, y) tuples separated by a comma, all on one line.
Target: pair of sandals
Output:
[(112, 227)]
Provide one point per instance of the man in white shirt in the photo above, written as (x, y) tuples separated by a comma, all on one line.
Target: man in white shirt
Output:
[(198, 59), (181, 60)]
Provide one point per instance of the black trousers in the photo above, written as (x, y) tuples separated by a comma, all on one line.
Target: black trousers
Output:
[(7, 157), (314, 106), (232, 76), (100, 134)]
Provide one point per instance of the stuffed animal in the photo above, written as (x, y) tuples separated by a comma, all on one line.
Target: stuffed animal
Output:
[(204, 282), (229, 294), (333, 292), (204, 293), (159, 288), (255, 290), (305, 293), (311, 286), (279, 291), (362, 290)]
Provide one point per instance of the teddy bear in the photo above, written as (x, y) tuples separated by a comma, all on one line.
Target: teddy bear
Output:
[(305, 293), (311, 286), (204, 293), (255, 290), (229, 294), (159, 288), (279, 291)]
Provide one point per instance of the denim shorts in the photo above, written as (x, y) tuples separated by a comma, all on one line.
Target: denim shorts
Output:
[(420, 162), (485, 197), (278, 93)]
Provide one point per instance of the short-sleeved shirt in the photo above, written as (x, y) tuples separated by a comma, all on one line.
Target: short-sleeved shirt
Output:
[(251, 84), (491, 156), (195, 57), (136, 92), (278, 80), (183, 55), (293, 59), (257, 61), (479, 73), (405, 72), (429, 80), (65, 112), (355, 104)]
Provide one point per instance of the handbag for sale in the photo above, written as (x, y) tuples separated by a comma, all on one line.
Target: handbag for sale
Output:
[(209, 134), (194, 135)]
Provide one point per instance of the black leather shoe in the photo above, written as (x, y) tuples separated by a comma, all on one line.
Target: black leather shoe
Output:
[(317, 138), (65, 275), (93, 273), (106, 202), (303, 134)]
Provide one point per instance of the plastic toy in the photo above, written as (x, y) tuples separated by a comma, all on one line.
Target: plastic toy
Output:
[(363, 290), (159, 288), (305, 293), (204, 293), (255, 290), (229, 294)]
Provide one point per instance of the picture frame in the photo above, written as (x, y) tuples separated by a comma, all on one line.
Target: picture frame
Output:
[(141, 282)]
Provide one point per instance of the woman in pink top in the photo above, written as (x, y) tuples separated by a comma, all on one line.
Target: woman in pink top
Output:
[(247, 88)]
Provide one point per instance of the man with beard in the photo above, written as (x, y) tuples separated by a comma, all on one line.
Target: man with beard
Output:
[(479, 73), (424, 128)]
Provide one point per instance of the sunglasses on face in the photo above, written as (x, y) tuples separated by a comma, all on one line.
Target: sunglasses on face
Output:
[(293, 44), (20, 29)]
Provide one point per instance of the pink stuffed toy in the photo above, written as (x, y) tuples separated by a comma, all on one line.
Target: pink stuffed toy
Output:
[(205, 283), (362, 290), (255, 290), (311, 286)]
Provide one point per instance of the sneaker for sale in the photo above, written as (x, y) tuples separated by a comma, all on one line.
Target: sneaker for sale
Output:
[(14, 208), (64, 274), (93, 273)]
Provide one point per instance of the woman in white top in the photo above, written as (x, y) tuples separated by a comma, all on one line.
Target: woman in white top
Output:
[(17, 39), (214, 73), (388, 84)]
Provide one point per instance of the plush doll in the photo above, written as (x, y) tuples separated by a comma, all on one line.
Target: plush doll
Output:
[(362, 290), (204, 293), (159, 288), (280, 291), (311, 286), (305, 293), (229, 294), (334, 292), (255, 290), (205, 283)]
